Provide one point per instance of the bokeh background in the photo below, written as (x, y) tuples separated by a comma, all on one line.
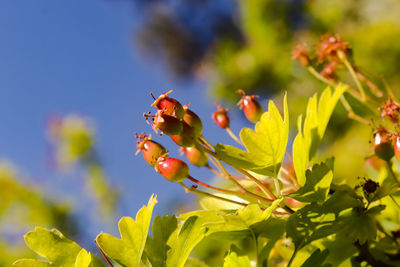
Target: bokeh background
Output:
[(75, 78)]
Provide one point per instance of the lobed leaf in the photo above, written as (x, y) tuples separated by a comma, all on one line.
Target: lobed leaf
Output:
[(316, 187), (183, 240), (57, 249), (311, 132), (317, 259), (156, 247), (128, 250), (235, 258), (265, 145)]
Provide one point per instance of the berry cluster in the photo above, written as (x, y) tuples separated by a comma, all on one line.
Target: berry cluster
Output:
[(185, 128)]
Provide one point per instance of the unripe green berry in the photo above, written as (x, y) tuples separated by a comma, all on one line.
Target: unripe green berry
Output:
[(196, 156), (174, 170)]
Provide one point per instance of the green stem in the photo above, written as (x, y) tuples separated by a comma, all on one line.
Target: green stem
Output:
[(346, 62), (194, 190), (390, 169), (234, 137), (262, 186)]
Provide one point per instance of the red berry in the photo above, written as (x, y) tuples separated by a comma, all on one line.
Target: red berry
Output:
[(151, 150), (169, 125), (196, 156), (193, 120), (396, 145), (169, 106), (382, 144), (187, 137), (174, 170), (221, 118), (252, 109)]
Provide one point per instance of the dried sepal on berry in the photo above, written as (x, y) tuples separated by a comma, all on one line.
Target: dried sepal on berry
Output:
[(330, 48), (251, 107), (173, 169), (220, 117), (169, 125), (170, 106), (390, 109), (301, 54), (150, 149)]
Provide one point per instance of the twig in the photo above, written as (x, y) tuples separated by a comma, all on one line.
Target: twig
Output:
[(194, 190)]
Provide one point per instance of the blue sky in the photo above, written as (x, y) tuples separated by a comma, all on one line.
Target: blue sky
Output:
[(79, 56)]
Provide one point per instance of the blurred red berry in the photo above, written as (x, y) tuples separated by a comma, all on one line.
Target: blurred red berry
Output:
[(300, 53), (390, 109), (221, 118), (328, 48), (396, 145), (251, 108)]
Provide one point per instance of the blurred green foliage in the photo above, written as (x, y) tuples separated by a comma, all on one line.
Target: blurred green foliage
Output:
[(21, 208)]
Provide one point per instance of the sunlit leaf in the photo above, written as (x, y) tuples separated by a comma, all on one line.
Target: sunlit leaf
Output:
[(87, 259), (235, 258), (316, 187), (265, 145), (156, 247), (183, 240), (128, 250), (312, 131), (53, 245), (32, 263)]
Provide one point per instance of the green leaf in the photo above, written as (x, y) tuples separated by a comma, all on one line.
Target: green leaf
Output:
[(271, 229), (87, 259), (358, 225), (235, 258), (128, 250), (317, 259), (53, 245), (156, 247), (317, 184), (265, 145), (310, 223), (32, 263), (183, 240), (310, 134), (342, 200), (191, 262)]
